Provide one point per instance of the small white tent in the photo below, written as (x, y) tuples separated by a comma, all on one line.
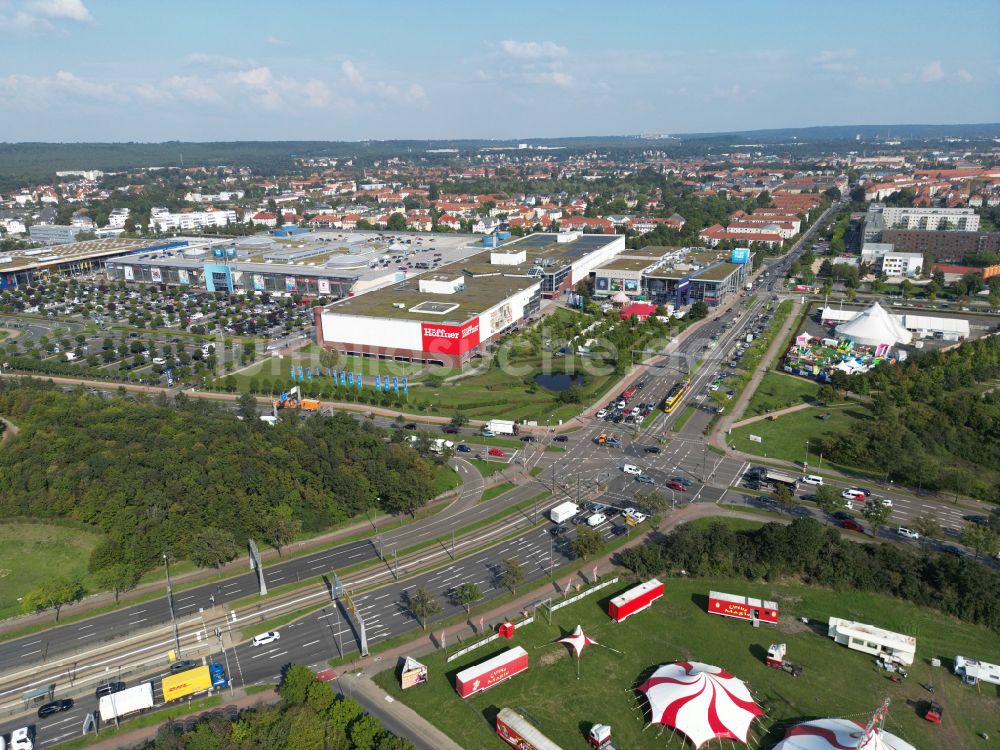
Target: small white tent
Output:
[(874, 326)]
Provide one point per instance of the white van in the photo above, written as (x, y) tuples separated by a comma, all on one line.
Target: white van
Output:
[(812, 479), (596, 520), (21, 739), (632, 470)]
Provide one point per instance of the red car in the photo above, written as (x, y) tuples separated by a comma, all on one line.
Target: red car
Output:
[(496, 452), (851, 525), (676, 486)]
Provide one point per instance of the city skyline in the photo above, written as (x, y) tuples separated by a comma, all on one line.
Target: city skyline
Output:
[(82, 70)]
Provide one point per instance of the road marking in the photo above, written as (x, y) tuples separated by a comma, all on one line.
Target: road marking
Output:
[(89, 635), (136, 622), (29, 653), (311, 643), (280, 653), (84, 627)]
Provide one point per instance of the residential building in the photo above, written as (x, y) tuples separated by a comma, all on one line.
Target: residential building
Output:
[(162, 220), (902, 264), (949, 245), (117, 218), (54, 234)]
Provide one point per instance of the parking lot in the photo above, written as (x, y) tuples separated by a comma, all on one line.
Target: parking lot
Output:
[(148, 334)]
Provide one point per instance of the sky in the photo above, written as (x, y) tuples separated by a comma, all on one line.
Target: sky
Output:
[(138, 70)]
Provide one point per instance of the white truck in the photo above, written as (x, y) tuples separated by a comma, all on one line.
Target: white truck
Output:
[(564, 511), (501, 427), (125, 702)]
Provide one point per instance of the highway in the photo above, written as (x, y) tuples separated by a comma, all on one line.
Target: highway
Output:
[(585, 469)]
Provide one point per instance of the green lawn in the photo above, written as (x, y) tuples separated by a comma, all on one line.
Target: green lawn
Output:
[(279, 367), (492, 492), (488, 468), (786, 437), (683, 418), (836, 681), (31, 552), (778, 390), (446, 479)]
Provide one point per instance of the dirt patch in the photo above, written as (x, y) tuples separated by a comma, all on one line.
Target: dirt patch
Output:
[(551, 656), (791, 625)]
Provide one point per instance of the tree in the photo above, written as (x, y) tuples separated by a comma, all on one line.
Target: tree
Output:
[(877, 514), (211, 547), (54, 594), (828, 499), (396, 222), (281, 527), (467, 594), (655, 501), (247, 406), (458, 420), (928, 527), (784, 496), (511, 574), (365, 731), (588, 542), (118, 578), (698, 311), (983, 540), (295, 683), (422, 604), (343, 713)]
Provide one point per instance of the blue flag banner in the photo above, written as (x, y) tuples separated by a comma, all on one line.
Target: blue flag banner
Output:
[(350, 379), (405, 388), (358, 380), (308, 374), (378, 381)]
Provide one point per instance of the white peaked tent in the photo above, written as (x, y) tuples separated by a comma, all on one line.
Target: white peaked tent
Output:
[(620, 298), (837, 734), (874, 326), (701, 701)]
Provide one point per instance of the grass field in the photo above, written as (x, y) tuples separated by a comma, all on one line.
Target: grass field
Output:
[(31, 552), (786, 437), (491, 492), (683, 418), (778, 390), (446, 479), (836, 681), (488, 468)]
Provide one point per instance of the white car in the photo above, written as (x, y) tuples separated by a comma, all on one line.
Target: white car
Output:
[(159, 361), (264, 638), (632, 470), (602, 414), (886, 501), (850, 494), (597, 519), (812, 479), (907, 533)]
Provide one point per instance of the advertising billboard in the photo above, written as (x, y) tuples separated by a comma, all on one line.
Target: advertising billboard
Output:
[(290, 284), (258, 282), (631, 285), (446, 339), (601, 284), (414, 673), (616, 285), (502, 317), (156, 275), (129, 273), (324, 286), (182, 276), (491, 672), (742, 607), (739, 255)]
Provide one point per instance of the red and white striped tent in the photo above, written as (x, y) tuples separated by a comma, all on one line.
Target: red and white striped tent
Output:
[(701, 701)]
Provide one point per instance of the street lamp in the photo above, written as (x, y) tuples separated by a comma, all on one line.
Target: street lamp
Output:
[(806, 462), (170, 603)]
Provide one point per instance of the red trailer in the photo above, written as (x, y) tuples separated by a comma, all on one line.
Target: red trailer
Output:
[(491, 672), (742, 607), (634, 600), (516, 731)]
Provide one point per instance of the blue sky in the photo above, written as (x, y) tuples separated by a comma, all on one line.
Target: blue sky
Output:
[(107, 70)]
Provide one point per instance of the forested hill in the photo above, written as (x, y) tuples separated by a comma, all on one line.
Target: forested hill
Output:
[(190, 479)]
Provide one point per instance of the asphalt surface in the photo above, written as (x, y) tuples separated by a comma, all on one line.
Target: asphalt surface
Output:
[(585, 469)]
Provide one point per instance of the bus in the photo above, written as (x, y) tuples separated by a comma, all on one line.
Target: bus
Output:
[(674, 397)]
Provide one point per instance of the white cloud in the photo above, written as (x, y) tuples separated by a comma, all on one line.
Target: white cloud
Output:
[(533, 50), (182, 88), (22, 21), (274, 93), (835, 60), (549, 78), (218, 62), (42, 90), (932, 71), (74, 10), (412, 92), (965, 75), (275, 41)]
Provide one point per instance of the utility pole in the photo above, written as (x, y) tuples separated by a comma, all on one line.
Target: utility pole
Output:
[(170, 603)]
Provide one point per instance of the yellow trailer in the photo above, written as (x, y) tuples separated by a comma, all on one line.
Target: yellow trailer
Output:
[(183, 684)]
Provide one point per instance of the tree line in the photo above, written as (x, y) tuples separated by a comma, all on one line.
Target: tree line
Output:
[(310, 716), (818, 555), (935, 425), (189, 479)]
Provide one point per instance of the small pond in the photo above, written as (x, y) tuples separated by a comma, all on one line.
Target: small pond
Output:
[(558, 382)]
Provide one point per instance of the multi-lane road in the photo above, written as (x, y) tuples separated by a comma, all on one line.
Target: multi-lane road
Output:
[(585, 469)]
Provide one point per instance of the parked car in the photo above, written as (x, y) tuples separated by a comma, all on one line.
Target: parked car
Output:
[(632, 470), (645, 479), (851, 525), (496, 452), (651, 449), (602, 414), (677, 486), (812, 479), (852, 494), (410, 426), (463, 448), (54, 707), (561, 438), (683, 480), (908, 533), (558, 529), (597, 519), (23, 738), (527, 438)]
